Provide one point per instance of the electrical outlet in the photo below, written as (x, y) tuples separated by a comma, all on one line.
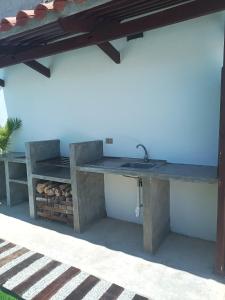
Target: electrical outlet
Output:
[(109, 141)]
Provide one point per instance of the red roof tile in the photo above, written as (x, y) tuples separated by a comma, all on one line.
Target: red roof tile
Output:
[(23, 16), (59, 5), (39, 12), (7, 23), (42, 9)]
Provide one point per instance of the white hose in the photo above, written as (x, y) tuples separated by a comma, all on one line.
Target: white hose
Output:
[(139, 197)]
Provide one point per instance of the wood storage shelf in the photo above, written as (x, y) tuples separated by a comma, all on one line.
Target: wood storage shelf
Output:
[(54, 201), (47, 166), (13, 178)]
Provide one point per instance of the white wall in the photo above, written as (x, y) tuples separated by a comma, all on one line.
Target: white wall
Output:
[(165, 94), (193, 209)]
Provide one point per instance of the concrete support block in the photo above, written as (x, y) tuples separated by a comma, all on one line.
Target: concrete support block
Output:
[(18, 193), (156, 208), (41, 150), (85, 152), (87, 188), (12, 169), (2, 182), (91, 200), (36, 151), (17, 170), (8, 201)]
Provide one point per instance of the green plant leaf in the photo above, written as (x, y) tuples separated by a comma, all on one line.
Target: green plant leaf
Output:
[(12, 125)]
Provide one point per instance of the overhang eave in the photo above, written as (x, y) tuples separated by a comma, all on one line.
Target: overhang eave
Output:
[(103, 27)]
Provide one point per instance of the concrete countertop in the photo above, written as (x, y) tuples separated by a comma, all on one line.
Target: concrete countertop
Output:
[(162, 170), (13, 157)]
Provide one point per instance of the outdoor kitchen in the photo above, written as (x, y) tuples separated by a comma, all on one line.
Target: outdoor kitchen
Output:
[(112, 149), (71, 189)]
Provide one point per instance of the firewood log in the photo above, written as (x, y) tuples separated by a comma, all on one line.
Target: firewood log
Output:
[(58, 192), (63, 186), (41, 186), (68, 194), (41, 199), (69, 200), (50, 192), (57, 199), (47, 188), (62, 199)]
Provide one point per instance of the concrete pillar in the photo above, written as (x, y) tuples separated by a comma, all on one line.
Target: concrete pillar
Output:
[(156, 209), (2, 182), (36, 151), (87, 188), (7, 183)]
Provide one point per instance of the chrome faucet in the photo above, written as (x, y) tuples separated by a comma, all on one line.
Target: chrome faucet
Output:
[(146, 158)]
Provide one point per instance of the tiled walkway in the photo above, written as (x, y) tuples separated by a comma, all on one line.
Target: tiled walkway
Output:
[(182, 269), (34, 276)]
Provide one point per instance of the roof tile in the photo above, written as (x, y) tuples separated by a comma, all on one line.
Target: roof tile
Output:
[(59, 5), (7, 23), (23, 17), (42, 9), (39, 12)]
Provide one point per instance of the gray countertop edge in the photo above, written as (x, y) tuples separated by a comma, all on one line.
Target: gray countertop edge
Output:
[(51, 178), (184, 172), (17, 157), (159, 172)]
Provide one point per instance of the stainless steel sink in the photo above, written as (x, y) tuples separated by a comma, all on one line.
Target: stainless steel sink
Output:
[(138, 165)]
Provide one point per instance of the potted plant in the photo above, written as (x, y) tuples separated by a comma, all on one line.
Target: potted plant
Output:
[(12, 124)]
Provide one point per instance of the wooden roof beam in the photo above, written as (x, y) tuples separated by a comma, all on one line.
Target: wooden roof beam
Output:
[(220, 244), (39, 68), (73, 24), (109, 50), (114, 31)]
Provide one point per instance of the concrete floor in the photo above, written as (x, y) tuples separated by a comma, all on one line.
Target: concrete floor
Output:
[(181, 270)]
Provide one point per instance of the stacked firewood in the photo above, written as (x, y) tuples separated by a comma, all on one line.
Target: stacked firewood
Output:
[(54, 201)]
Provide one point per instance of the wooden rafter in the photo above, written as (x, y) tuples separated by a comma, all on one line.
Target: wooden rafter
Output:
[(116, 30), (109, 50), (75, 25), (135, 36), (39, 68), (220, 249)]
